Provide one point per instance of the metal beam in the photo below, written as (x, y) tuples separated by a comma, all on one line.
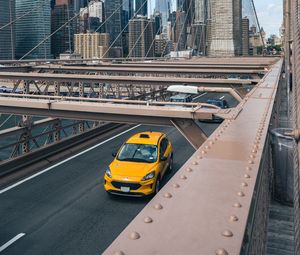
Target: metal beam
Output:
[(18, 130), (86, 109), (149, 70), (191, 131), (122, 79)]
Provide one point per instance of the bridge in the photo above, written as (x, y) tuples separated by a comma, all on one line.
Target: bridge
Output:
[(234, 150), (61, 120)]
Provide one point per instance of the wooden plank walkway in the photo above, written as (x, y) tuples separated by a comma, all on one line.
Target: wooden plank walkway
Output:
[(280, 230)]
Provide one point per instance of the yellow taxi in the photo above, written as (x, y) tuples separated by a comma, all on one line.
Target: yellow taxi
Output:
[(140, 164)]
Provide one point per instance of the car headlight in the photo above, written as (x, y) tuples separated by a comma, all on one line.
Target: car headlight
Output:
[(149, 176), (108, 173)]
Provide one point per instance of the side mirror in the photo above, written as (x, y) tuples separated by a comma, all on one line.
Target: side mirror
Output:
[(114, 154), (163, 158)]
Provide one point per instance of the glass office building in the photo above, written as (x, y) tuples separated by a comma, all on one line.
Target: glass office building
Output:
[(33, 28), (7, 38)]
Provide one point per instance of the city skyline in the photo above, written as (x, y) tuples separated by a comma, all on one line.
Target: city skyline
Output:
[(270, 15)]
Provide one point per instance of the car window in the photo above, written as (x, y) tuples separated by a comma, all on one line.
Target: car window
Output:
[(138, 153), (163, 146)]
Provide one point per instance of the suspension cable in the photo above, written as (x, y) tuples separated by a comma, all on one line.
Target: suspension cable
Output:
[(254, 9), (183, 25), (157, 33), (122, 31), (136, 42)]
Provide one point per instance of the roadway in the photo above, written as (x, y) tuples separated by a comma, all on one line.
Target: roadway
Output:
[(64, 210)]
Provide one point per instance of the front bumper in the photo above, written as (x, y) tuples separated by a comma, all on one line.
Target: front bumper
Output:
[(136, 189)]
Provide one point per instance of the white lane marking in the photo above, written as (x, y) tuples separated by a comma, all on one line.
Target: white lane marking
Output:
[(222, 97), (200, 95), (66, 160), (11, 241)]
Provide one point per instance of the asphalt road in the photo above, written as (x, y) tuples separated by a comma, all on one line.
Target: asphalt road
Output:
[(66, 210)]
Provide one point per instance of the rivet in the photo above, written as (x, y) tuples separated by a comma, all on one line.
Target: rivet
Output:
[(251, 161), (199, 157), (158, 206), (244, 184), (227, 233), (254, 151), (221, 252), (167, 195), (207, 147), (176, 185), (190, 169), (233, 218), (211, 142), (237, 205), (148, 220), (248, 168), (252, 156), (203, 152), (241, 194), (195, 163), (215, 139), (134, 235), (183, 177), (247, 176), (119, 253)]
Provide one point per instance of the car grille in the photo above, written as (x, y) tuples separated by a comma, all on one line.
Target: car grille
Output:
[(132, 186)]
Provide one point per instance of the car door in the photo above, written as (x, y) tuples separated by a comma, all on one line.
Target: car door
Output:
[(163, 153)]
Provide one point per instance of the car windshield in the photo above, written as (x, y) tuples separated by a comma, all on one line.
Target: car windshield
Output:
[(138, 153)]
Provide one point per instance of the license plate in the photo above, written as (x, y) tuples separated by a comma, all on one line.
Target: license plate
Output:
[(125, 189)]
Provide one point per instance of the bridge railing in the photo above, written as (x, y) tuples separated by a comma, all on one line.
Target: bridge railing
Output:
[(295, 22)]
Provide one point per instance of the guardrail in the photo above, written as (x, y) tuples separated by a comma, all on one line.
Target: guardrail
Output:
[(8, 167)]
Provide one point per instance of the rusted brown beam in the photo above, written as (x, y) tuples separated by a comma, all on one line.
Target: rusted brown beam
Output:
[(191, 131), (82, 109), (121, 79), (149, 70)]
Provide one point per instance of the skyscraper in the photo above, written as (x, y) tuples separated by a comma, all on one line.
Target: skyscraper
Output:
[(188, 6), (180, 35), (141, 37), (163, 6), (199, 28), (113, 12), (225, 35), (141, 7), (245, 37), (7, 34), (33, 29), (62, 40)]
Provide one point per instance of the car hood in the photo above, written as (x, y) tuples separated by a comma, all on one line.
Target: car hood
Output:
[(134, 171)]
